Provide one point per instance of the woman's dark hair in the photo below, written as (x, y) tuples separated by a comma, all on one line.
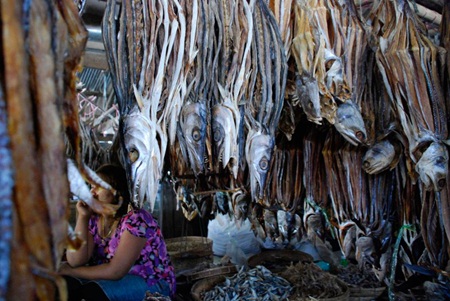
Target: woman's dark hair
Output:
[(115, 175)]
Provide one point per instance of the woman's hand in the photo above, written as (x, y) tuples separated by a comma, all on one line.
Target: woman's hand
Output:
[(126, 255), (83, 209), (65, 269)]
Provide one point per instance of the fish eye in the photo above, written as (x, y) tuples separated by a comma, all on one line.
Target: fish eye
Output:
[(366, 164), (196, 134), (133, 155), (440, 160), (217, 134), (264, 164), (360, 135)]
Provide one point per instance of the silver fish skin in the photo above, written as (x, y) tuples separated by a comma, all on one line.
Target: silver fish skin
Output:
[(307, 91), (224, 131), (380, 157), (192, 128), (432, 167), (258, 153), (145, 146), (350, 124)]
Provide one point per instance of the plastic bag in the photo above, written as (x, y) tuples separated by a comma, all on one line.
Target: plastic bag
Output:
[(223, 232)]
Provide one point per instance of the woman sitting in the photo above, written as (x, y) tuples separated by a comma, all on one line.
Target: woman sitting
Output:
[(124, 256)]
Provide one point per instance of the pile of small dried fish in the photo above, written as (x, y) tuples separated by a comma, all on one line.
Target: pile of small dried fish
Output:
[(358, 278), (254, 284), (309, 280)]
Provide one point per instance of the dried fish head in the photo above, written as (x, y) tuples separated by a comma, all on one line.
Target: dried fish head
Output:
[(222, 200), (270, 224), (241, 205), (350, 124), (284, 219), (187, 203), (365, 250), (432, 167), (307, 90), (145, 152), (348, 245), (314, 225), (380, 157), (192, 134), (224, 134), (258, 152)]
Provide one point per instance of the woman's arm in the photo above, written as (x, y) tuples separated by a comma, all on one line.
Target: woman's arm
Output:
[(81, 256), (127, 253)]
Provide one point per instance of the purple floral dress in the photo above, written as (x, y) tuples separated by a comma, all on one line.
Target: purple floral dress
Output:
[(154, 262)]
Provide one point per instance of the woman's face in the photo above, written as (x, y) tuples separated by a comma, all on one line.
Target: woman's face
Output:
[(102, 195)]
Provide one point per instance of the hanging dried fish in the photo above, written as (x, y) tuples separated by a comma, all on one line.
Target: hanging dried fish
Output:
[(304, 50), (187, 203), (284, 186), (282, 12), (385, 142), (349, 123), (258, 150), (192, 134), (307, 93), (328, 46), (266, 95), (314, 167), (240, 203), (192, 127), (42, 44), (154, 36), (237, 35), (416, 96)]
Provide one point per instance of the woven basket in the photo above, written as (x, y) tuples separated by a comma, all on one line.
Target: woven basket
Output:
[(207, 273), (188, 251), (277, 260), (189, 247), (344, 297), (205, 285), (365, 294)]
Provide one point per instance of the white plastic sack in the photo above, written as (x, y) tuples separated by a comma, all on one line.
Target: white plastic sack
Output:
[(223, 232)]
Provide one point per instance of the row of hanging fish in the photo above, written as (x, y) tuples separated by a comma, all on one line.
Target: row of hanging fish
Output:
[(205, 80), (277, 102)]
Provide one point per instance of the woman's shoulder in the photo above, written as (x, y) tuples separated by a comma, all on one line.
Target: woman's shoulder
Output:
[(140, 223), (139, 214)]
